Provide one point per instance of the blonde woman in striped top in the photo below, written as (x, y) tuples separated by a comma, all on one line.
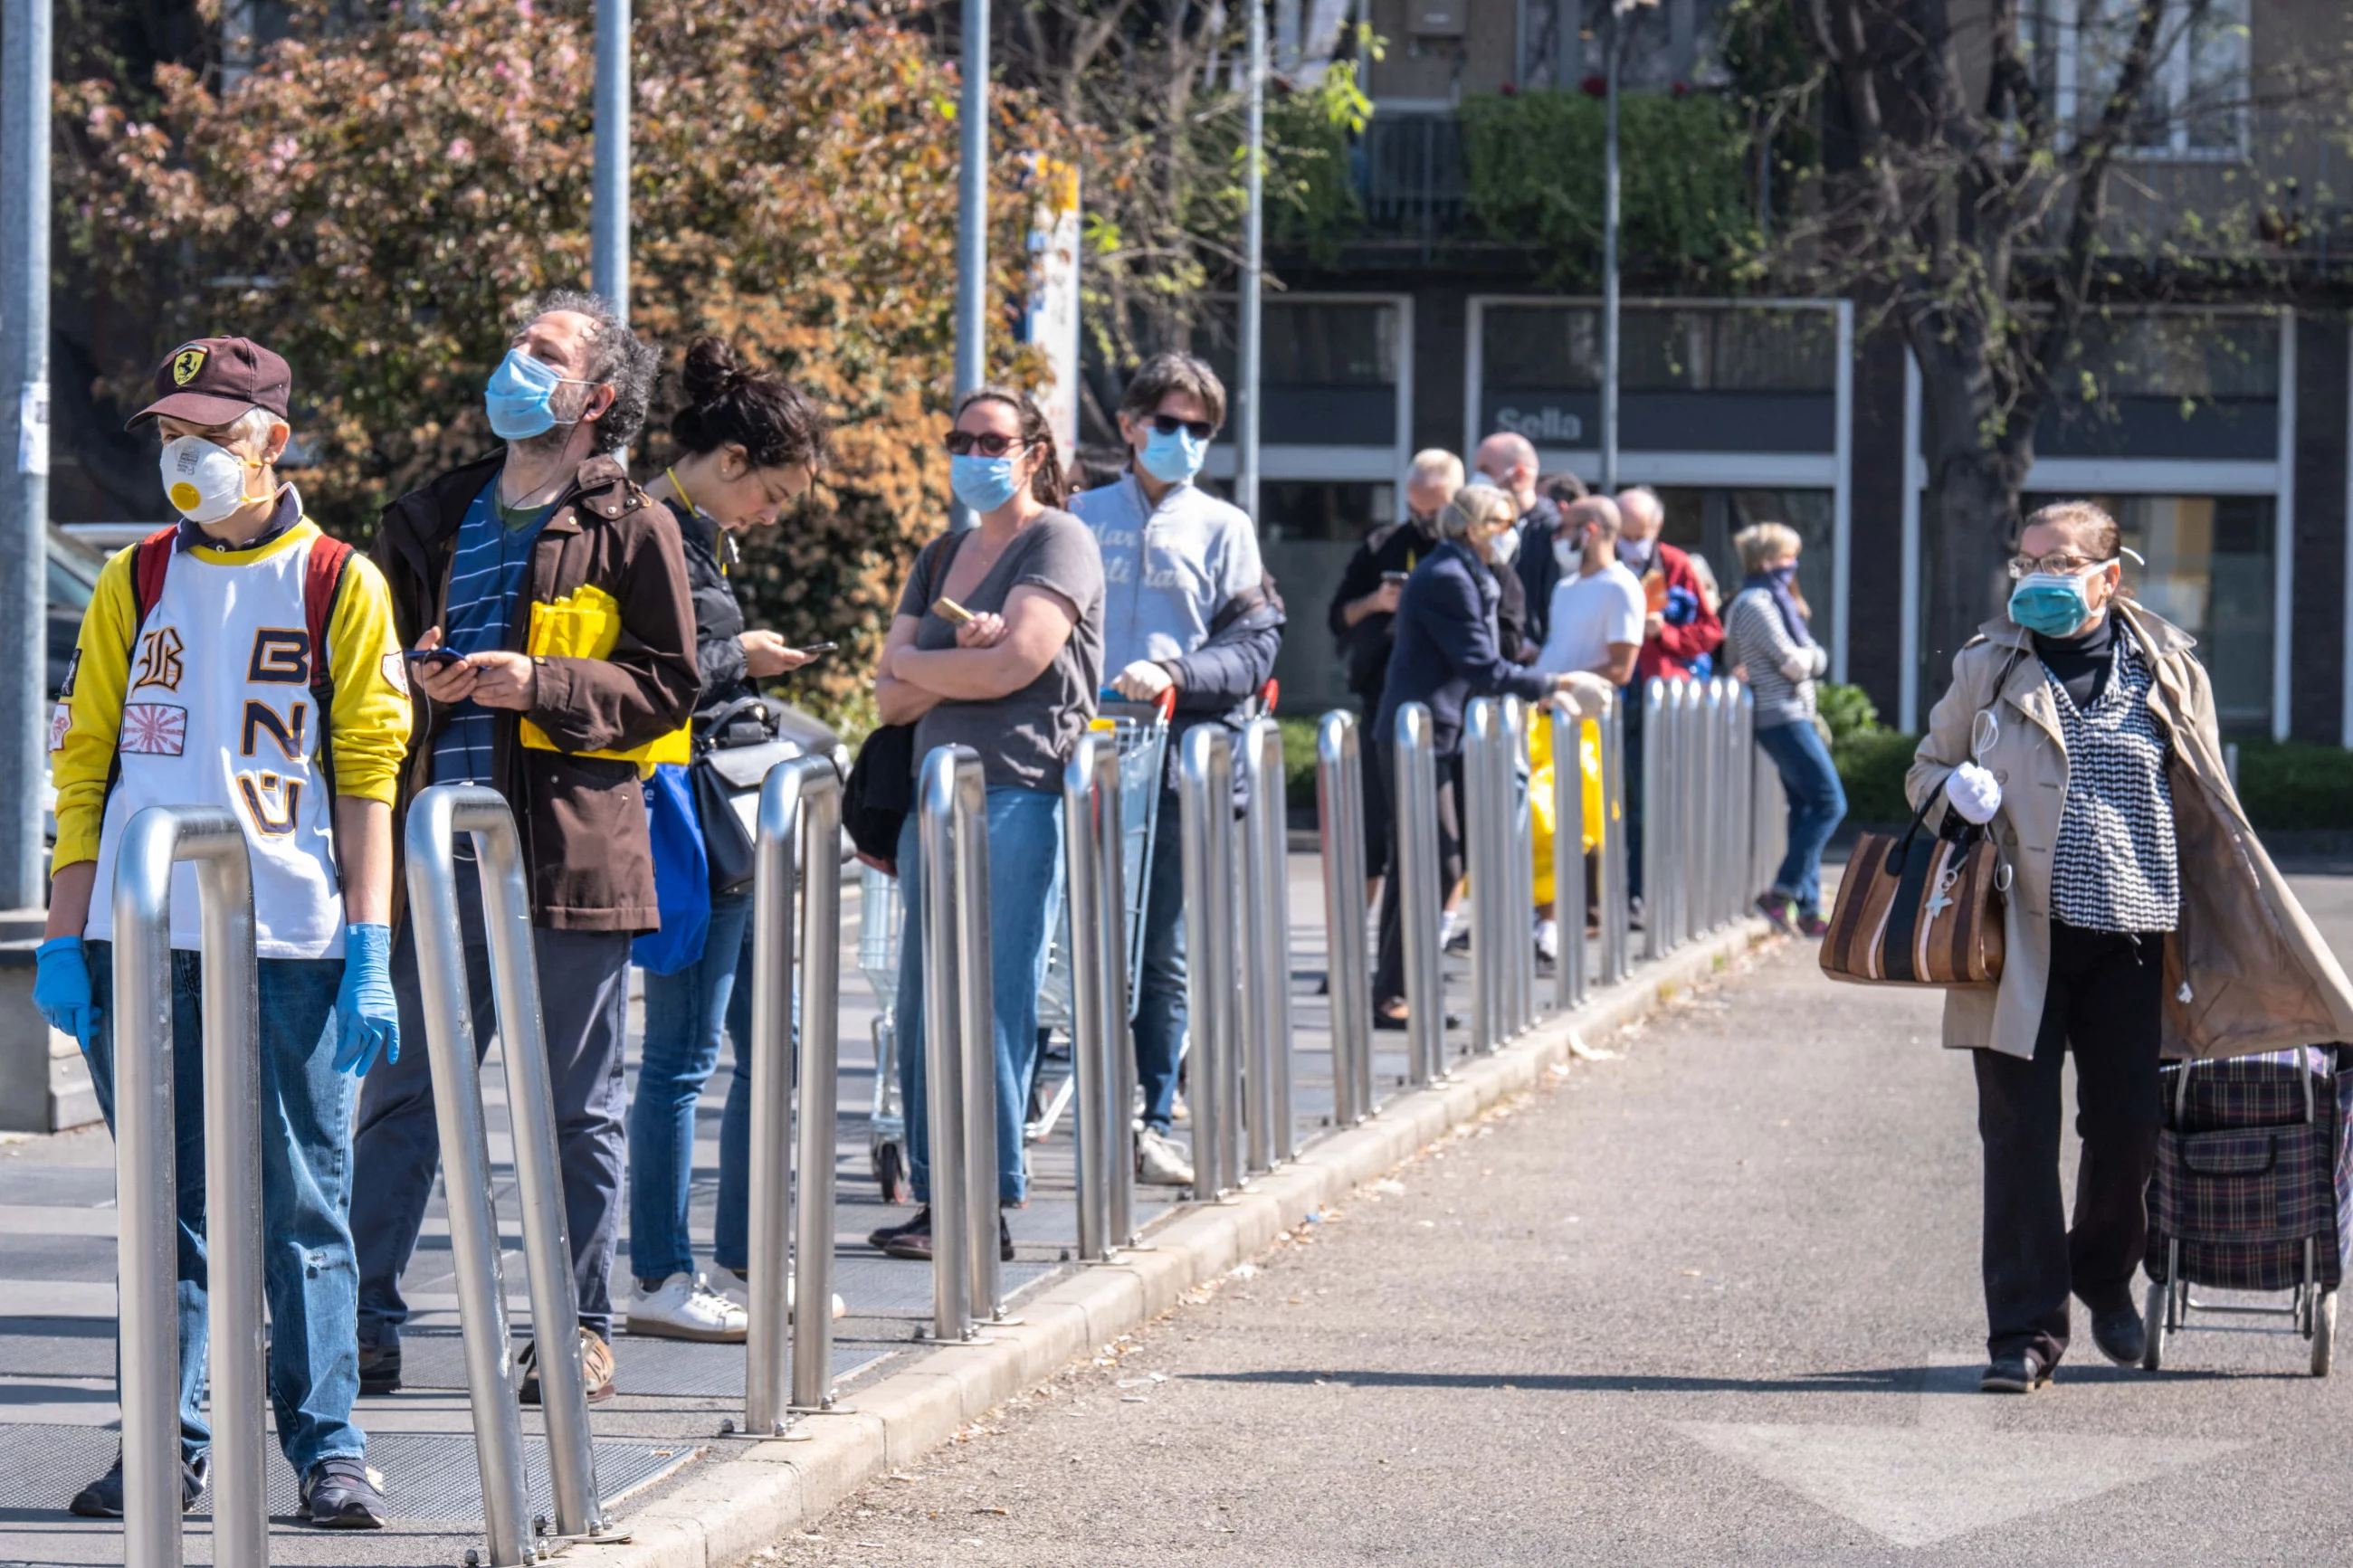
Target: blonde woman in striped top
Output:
[(1768, 640)]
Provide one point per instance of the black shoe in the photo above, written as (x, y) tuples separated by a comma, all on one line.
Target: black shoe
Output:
[(880, 1239), (380, 1368), (1636, 915), (1383, 1019), (343, 1493), (1004, 1239), (102, 1498), (2121, 1335), (2021, 1374)]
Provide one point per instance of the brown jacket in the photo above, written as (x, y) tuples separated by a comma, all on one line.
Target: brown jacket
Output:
[(583, 819), (2244, 971)]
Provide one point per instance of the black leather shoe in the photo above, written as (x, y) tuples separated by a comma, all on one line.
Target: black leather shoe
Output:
[(1004, 1239), (2121, 1335), (880, 1239), (102, 1498), (2021, 1374), (344, 1494), (380, 1368)]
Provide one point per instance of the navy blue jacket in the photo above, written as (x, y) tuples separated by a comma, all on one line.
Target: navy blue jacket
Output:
[(1217, 681), (1446, 651)]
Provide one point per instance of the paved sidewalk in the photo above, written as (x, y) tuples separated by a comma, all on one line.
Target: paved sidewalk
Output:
[(1713, 1302)]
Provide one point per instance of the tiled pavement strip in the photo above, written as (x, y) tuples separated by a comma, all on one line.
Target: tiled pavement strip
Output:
[(689, 1495)]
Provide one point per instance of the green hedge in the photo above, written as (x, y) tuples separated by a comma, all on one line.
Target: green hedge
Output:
[(1872, 767), (1299, 763)]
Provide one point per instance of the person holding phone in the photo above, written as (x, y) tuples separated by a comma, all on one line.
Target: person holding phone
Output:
[(1015, 680), (749, 444)]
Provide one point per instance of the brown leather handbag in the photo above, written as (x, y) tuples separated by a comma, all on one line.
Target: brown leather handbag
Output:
[(1924, 909)]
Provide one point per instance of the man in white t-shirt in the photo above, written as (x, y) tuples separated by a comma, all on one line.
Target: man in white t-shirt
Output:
[(1596, 615)]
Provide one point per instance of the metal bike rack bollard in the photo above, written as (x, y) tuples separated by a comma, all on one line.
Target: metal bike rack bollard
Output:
[(1514, 944), (1616, 937), (435, 819), (1518, 717), (1204, 802), (1568, 858), (1266, 945), (1340, 826), (1658, 875), (146, 1179), (795, 909), (1709, 839), (959, 1041), (1482, 863), (1414, 800), (1097, 950), (1743, 811)]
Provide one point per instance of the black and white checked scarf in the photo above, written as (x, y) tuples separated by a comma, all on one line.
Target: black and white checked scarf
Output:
[(2116, 867)]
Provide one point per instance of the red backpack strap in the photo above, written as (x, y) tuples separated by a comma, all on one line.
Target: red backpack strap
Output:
[(150, 559), (321, 582)]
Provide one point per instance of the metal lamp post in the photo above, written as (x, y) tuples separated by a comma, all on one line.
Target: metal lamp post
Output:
[(1613, 51), (972, 219), (25, 414), (608, 264), (1245, 456)]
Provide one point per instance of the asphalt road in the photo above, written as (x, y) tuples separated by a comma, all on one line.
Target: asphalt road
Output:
[(1714, 1302)]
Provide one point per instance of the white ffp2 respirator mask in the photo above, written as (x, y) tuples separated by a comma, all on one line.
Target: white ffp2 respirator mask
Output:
[(205, 482)]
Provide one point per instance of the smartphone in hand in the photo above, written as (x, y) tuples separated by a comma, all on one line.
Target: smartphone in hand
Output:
[(431, 658), (817, 649), (947, 609)]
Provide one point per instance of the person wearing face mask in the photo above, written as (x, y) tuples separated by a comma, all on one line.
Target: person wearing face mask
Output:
[(1767, 637), (1596, 614), (1447, 653), (1189, 615), (1364, 608), (553, 594), (748, 445), (1508, 462), (243, 659), (2143, 919), (998, 646)]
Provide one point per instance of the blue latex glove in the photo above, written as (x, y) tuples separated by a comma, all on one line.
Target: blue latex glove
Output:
[(1682, 607), (61, 989), (367, 1019)]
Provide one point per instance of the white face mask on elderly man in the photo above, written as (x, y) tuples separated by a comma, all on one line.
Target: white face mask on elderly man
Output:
[(205, 482)]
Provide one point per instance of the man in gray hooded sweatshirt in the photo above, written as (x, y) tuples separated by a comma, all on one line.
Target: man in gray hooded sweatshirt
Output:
[(1188, 609)]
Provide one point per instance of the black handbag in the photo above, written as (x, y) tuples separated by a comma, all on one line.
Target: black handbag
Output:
[(739, 746), (880, 792)]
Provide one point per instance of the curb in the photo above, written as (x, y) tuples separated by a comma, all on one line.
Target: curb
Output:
[(727, 1508)]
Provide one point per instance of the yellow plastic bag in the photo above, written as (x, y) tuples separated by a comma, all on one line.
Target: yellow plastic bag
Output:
[(1540, 796), (587, 624)]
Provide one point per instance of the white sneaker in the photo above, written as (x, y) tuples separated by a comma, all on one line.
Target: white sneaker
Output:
[(1179, 1110), (1159, 1163), (685, 1308), (1548, 940), (740, 1298)]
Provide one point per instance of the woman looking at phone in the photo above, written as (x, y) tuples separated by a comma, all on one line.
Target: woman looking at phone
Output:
[(998, 646), (750, 443)]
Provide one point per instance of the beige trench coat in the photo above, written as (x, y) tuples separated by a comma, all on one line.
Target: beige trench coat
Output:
[(2245, 970)]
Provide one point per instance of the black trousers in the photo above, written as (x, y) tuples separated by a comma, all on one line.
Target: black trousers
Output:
[(1389, 971), (2106, 997)]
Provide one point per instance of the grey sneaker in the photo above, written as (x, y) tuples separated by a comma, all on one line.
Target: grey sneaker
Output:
[(102, 1498), (343, 1493), (1160, 1162)]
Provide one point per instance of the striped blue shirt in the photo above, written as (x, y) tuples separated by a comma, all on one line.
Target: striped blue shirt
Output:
[(485, 584)]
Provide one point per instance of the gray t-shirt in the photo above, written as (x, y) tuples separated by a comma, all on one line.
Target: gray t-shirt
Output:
[(1025, 737)]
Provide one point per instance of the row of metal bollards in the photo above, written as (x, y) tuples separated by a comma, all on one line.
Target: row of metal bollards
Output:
[(1712, 831)]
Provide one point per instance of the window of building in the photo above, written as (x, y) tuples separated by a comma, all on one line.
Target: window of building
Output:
[(2196, 102), (1307, 530)]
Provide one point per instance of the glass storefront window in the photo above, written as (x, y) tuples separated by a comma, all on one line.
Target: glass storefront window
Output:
[(1307, 530), (1703, 522), (2209, 572)]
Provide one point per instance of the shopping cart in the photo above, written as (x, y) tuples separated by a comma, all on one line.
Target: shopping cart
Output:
[(1140, 732)]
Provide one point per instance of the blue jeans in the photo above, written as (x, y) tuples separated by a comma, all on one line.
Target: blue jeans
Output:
[(686, 1014), (1024, 902), (1816, 806), (308, 1277), (1160, 986)]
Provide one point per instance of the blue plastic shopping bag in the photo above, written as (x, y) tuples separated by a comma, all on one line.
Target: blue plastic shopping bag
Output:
[(681, 875)]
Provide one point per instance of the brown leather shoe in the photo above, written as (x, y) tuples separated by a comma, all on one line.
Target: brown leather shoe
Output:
[(596, 1363)]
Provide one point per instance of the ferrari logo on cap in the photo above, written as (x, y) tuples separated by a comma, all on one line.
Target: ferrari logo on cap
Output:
[(185, 364)]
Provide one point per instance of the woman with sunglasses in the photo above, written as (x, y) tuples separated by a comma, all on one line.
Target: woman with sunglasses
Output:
[(2142, 917), (749, 444), (998, 646)]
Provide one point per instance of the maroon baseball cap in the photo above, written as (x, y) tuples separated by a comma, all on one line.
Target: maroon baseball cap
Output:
[(213, 381)]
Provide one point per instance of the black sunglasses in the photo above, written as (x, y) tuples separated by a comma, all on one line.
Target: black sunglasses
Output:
[(964, 443), (1169, 425)]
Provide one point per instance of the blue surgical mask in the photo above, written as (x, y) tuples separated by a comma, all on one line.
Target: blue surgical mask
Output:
[(1172, 459), (982, 483), (519, 396), (2049, 604)]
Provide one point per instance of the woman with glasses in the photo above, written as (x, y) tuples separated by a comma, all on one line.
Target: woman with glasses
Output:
[(749, 444), (2141, 918), (996, 645)]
